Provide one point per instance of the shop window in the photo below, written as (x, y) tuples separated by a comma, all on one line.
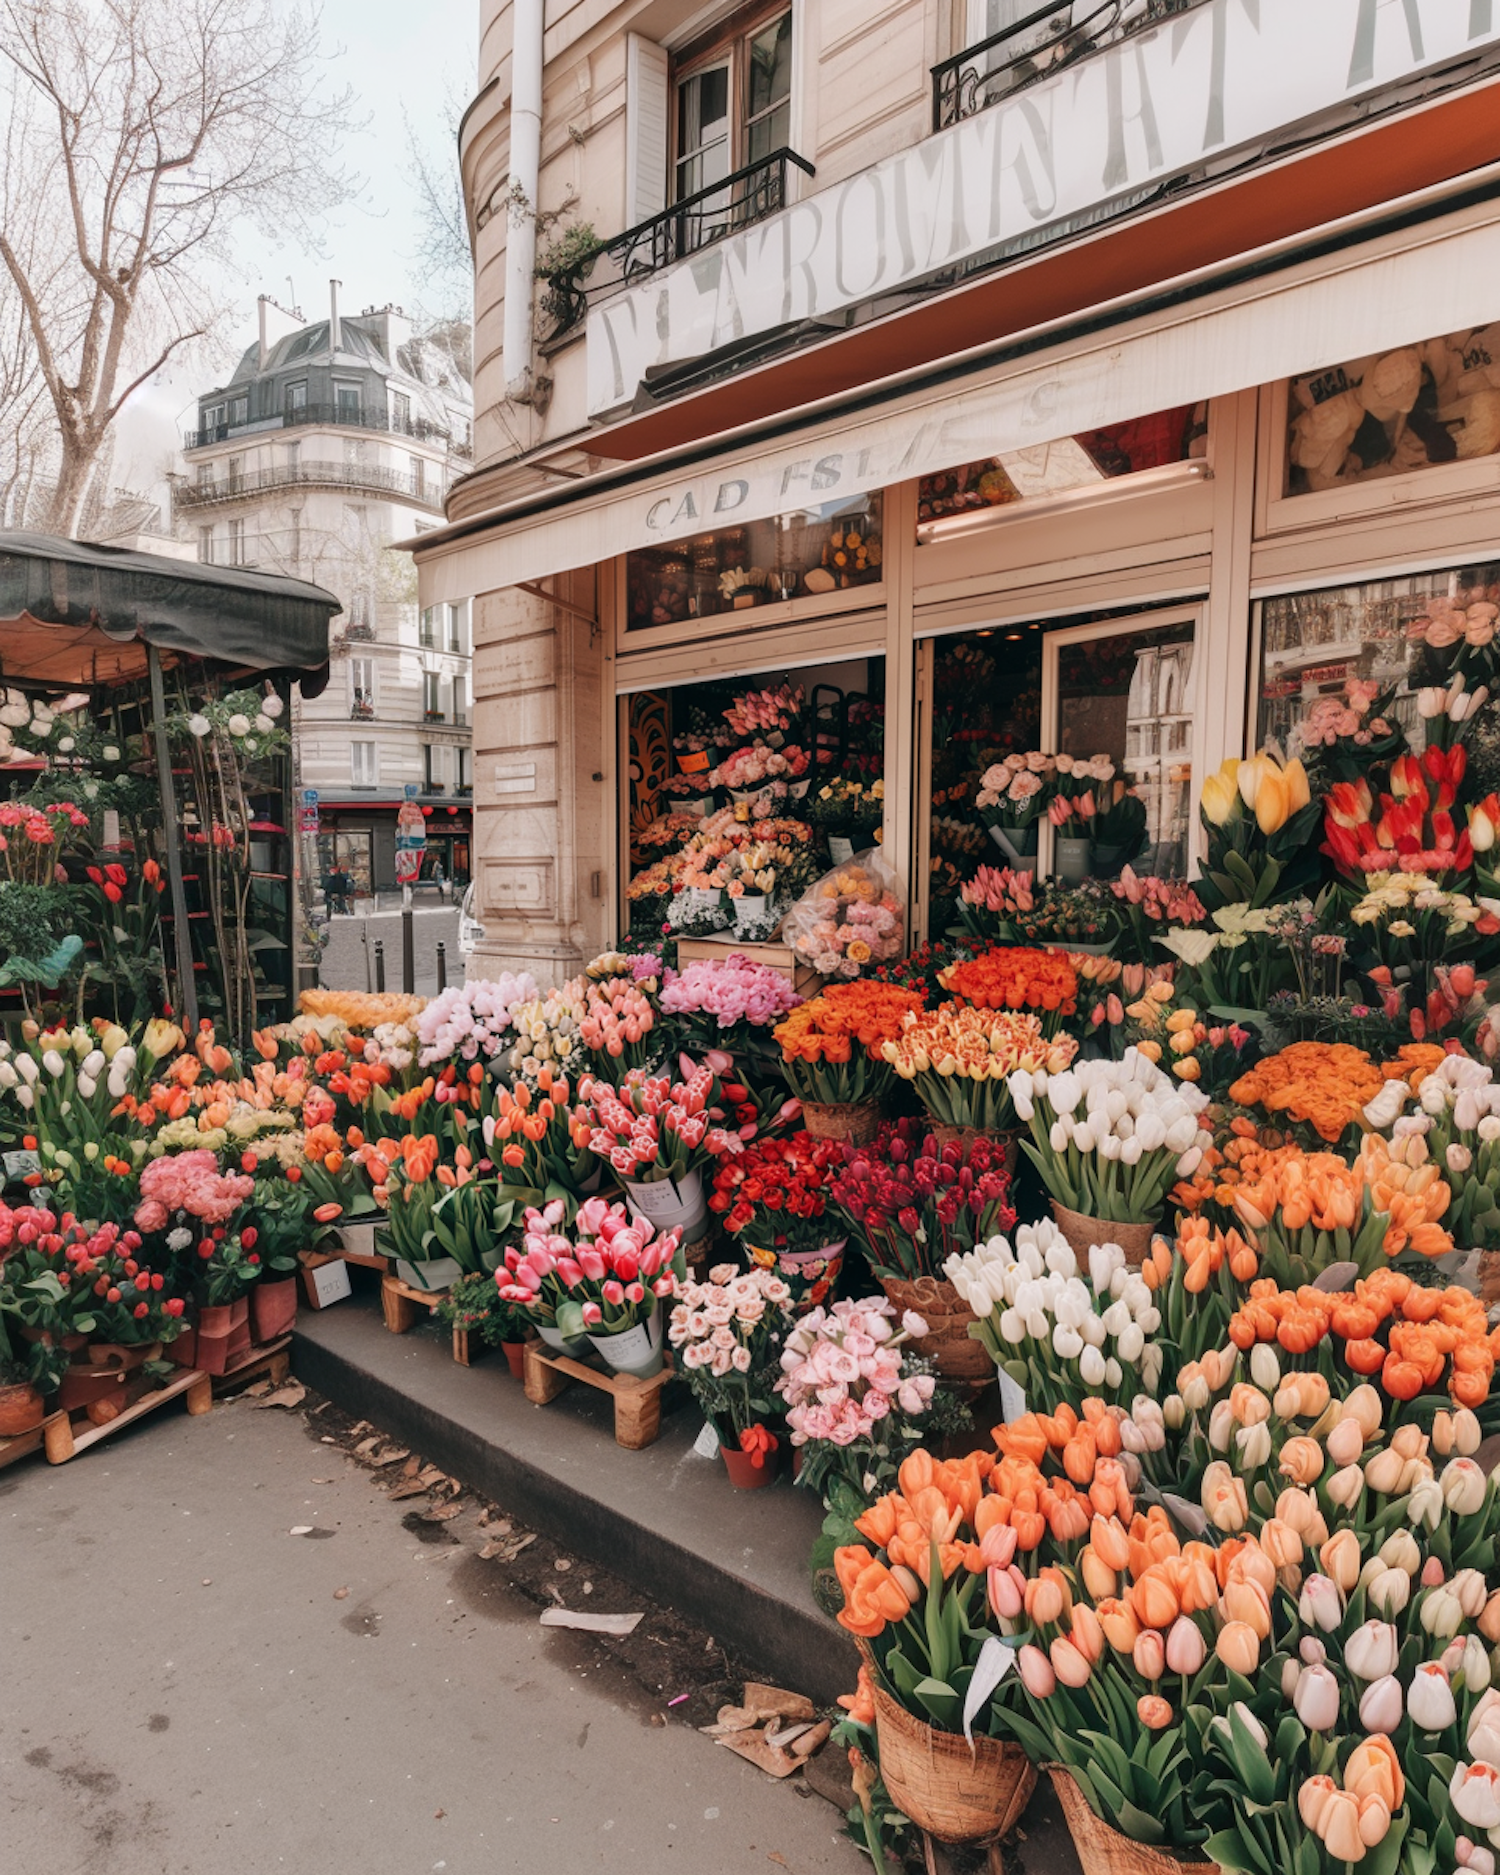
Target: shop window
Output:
[(1093, 458), (1404, 410), (1120, 688), (1337, 663), (809, 554), (791, 763)]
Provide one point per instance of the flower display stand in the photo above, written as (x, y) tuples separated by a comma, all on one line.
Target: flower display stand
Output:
[(24, 1443), (402, 1304), (66, 1435), (637, 1402), (779, 957)]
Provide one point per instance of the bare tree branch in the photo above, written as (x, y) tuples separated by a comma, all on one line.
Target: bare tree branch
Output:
[(140, 135), (442, 256)]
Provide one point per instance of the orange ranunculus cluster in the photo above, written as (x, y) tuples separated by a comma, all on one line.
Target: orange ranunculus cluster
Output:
[(1429, 1334), (1414, 1062), (829, 1026), (1015, 978), (1326, 1084)]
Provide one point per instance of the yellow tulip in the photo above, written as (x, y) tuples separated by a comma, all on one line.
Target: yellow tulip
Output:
[(1273, 802), (1297, 783), (1219, 793), (1248, 779)]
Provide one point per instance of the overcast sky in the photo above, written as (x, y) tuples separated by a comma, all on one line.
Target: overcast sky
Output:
[(392, 53)]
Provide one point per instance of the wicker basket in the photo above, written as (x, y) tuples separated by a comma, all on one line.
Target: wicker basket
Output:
[(955, 1793), (1102, 1850), (947, 1341), (1084, 1232), (966, 1135), (854, 1121)]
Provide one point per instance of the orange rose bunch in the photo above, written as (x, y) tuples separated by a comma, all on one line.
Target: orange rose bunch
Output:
[(1324, 1084), (1043, 982)]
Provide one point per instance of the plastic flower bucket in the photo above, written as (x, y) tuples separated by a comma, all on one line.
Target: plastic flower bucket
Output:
[(671, 1204), (636, 1350)]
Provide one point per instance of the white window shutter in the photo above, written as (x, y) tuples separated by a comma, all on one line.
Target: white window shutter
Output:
[(647, 111)]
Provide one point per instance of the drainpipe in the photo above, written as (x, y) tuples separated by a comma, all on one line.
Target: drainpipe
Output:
[(334, 334), (525, 175)]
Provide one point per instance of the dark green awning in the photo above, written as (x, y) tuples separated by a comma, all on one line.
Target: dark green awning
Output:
[(76, 614)]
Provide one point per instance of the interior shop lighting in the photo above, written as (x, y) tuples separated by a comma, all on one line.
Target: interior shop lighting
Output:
[(1144, 482)]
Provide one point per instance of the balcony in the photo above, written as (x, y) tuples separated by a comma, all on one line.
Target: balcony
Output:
[(434, 716), (422, 491), (697, 221), (1035, 48), (331, 416)]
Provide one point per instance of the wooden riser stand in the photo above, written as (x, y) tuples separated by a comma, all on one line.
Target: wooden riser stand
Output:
[(637, 1402), (401, 1304)]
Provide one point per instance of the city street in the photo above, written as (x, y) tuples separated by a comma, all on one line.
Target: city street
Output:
[(228, 1653), (349, 961)]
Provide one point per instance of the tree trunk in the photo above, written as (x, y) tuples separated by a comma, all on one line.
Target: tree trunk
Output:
[(75, 474)]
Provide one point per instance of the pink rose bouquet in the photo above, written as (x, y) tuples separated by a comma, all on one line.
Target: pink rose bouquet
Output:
[(472, 1020), (727, 1333), (189, 1183), (859, 1399)]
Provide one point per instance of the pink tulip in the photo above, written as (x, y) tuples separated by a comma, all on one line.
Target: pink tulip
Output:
[(614, 1294), (1186, 1649), (1037, 1675), (592, 1314), (1006, 1588)]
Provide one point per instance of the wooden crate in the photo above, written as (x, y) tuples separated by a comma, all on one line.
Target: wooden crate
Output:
[(357, 1245), (779, 957), (637, 1402), (400, 1303)]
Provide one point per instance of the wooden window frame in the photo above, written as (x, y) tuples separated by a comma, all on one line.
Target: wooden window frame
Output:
[(729, 38)]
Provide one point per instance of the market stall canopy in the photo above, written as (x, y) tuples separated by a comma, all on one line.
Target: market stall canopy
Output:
[(79, 615)]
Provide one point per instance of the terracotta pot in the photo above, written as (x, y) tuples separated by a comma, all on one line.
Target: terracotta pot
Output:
[(218, 1353), (239, 1311), (955, 1792), (184, 1350), (747, 1477), (80, 1385), (21, 1410), (856, 1122), (273, 1307), (1101, 1849), (515, 1357), (1083, 1233), (214, 1318), (947, 1342), (122, 1356), (966, 1135)]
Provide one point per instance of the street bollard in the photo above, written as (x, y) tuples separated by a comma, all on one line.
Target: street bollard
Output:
[(442, 963), (408, 945), (379, 967)]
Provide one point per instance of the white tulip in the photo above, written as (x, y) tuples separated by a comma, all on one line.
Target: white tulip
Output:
[(1131, 1343), (93, 1063), (1037, 1325), (52, 1061), (1060, 1258), (1013, 1327), (26, 1097), (1091, 1367), (1023, 1105), (1116, 1319), (1181, 1133), (86, 1086), (1060, 1136), (1067, 1343), (1105, 1261), (1189, 1162), (1130, 1152), (1083, 1137), (1092, 1330), (1064, 1091), (1114, 1374)]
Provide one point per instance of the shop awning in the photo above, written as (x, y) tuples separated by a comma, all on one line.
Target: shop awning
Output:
[(1401, 289), (78, 615)]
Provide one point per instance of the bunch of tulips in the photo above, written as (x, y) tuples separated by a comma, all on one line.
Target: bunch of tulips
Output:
[(960, 1061)]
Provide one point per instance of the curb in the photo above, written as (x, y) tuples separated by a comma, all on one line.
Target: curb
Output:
[(664, 1520)]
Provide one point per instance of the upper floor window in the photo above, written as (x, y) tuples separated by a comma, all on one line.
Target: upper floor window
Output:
[(346, 402), (734, 99), (213, 416), (296, 397), (455, 628), (206, 545), (427, 635), (239, 410), (400, 412)]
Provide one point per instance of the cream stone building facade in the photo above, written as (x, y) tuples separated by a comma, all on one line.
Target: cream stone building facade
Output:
[(1082, 311)]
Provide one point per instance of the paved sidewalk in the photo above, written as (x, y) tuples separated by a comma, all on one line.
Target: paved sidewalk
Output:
[(186, 1693), (353, 937)]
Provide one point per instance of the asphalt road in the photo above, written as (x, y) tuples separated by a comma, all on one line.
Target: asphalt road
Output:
[(185, 1693), (348, 963)]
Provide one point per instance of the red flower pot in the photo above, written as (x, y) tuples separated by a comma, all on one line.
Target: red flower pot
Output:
[(744, 1473), (239, 1311), (184, 1350), (273, 1308), (81, 1385), (21, 1410), (515, 1357), (215, 1318)]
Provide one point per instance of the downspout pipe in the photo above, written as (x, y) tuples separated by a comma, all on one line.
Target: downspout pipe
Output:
[(525, 178)]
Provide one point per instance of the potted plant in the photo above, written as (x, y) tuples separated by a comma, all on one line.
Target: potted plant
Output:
[(226, 1271), (602, 1279), (1071, 811), (31, 1364), (848, 814), (658, 1137), (774, 1200), (474, 1304), (959, 1060), (1012, 800), (1119, 830), (727, 1334), (1110, 1139), (913, 1203), (832, 1059), (284, 1227)]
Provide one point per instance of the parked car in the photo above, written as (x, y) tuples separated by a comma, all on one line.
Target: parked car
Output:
[(470, 930)]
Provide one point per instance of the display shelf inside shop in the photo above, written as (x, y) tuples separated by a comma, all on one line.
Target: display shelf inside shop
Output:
[(775, 956)]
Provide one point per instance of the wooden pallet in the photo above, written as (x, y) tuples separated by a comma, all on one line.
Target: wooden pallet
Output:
[(274, 1360), (26, 1442), (67, 1435), (400, 1303), (637, 1402)]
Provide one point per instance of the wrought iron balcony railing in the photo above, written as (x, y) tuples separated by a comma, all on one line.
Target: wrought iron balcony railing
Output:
[(422, 490), (1036, 47), (336, 416), (697, 221)]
